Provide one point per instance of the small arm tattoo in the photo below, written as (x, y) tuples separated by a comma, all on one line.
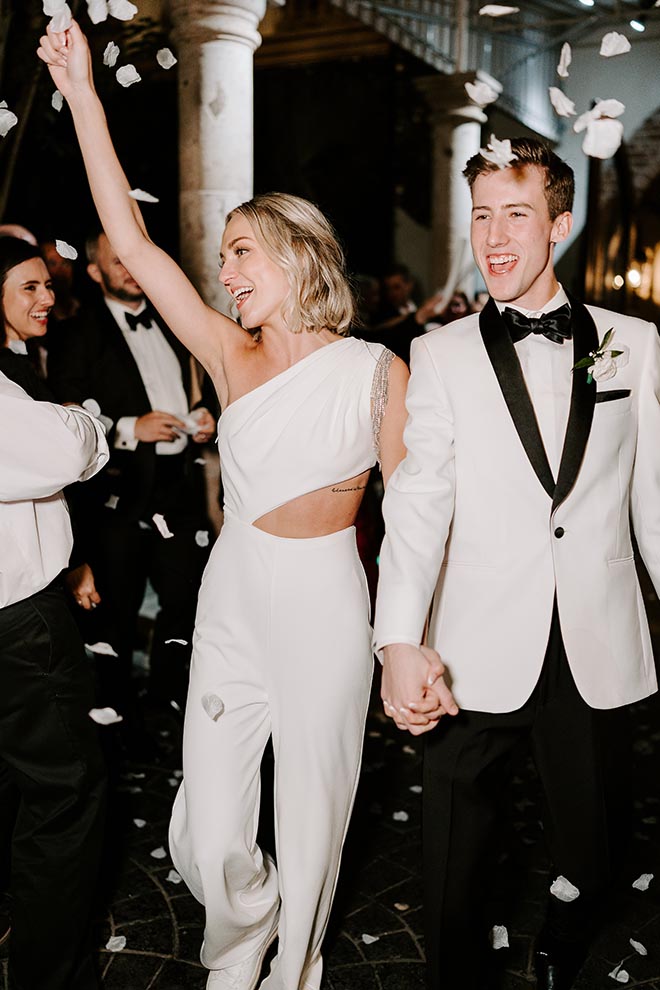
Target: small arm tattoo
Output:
[(355, 488)]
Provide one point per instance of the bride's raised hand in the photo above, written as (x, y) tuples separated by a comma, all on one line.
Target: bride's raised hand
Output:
[(66, 53)]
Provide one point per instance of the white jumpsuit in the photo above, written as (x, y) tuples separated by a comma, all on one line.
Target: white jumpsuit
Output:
[(282, 640)]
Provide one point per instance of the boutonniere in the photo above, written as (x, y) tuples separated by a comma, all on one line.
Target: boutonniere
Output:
[(603, 363)]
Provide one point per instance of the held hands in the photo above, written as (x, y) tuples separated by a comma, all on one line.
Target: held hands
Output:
[(206, 425), (155, 426), (413, 689), (68, 59)]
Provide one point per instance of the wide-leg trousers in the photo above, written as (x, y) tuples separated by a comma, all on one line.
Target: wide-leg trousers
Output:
[(282, 640), (51, 761), (578, 752)]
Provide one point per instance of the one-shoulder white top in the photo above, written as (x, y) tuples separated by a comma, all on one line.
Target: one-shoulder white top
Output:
[(313, 425)]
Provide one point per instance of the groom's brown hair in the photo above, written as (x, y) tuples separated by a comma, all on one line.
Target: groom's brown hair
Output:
[(559, 178)]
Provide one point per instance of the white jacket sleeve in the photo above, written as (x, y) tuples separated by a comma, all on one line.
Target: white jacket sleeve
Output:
[(44, 446), (645, 492), (417, 508)]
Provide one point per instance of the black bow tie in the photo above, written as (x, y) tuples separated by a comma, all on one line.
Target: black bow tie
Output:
[(143, 319), (556, 326)]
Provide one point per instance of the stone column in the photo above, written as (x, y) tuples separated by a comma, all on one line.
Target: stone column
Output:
[(456, 125), (214, 42)]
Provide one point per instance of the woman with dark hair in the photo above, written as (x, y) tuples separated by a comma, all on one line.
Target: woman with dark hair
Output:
[(282, 638), (26, 299)]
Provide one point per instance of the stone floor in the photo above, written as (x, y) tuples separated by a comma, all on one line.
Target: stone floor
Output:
[(374, 941)]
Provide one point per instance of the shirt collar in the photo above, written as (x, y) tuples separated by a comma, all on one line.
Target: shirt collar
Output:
[(17, 346), (119, 311), (557, 300)]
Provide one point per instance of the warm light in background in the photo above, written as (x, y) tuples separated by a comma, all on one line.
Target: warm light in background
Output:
[(634, 277), (617, 281)]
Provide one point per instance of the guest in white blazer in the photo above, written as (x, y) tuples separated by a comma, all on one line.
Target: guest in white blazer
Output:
[(533, 438)]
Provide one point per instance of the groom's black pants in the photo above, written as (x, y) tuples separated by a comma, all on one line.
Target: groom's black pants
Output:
[(467, 770)]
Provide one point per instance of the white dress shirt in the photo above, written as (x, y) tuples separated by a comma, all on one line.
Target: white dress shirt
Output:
[(546, 368), (43, 447), (161, 374)]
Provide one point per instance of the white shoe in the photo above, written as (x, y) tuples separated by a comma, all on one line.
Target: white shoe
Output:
[(244, 975)]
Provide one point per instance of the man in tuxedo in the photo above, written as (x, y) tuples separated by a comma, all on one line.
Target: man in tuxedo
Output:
[(120, 355), (533, 437)]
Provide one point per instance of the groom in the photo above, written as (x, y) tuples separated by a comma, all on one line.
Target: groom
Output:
[(533, 436)]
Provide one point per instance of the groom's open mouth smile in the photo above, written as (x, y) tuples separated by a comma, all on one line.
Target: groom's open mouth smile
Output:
[(501, 264)]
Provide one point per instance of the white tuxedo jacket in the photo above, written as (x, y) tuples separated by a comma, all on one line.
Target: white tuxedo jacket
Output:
[(476, 522)]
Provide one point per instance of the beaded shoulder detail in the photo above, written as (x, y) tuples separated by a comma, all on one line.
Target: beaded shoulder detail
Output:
[(379, 392)]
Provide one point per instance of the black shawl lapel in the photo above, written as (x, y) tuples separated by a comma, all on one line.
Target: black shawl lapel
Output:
[(583, 401), (506, 365)]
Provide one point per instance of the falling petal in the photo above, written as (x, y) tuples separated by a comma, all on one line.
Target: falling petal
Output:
[(401, 907), (105, 716), (498, 152), (603, 108), (565, 60), (603, 138), (409, 750), (369, 939), (165, 58), (174, 877), (564, 890), (178, 774), (123, 10), (52, 7), (614, 44), (65, 250), (97, 11), (62, 20), (199, 460), (416, 788), (158, 853), (497, 10), (213, 706), (139, 822), (128, 75), (481, 93), (181, 642), (563, 106), (638, 947), (172, 781), (57, 100), (143, 196), (618, 974), (202, 537), (112, 502), (499, 937), (116, 943), (642, 882), (104, 649), (111, 54), (7, 121), (400, 816), (161, 526)]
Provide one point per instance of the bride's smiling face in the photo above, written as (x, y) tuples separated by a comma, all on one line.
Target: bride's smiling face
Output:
[(258, 286), (27, 299)]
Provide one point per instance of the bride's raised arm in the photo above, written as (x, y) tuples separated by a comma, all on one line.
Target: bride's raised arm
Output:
[(197, 325)]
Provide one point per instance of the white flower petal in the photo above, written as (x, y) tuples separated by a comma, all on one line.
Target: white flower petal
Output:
[(603, 108), (481, 93), (202, 537), (400, 906), (497, 10), (409, 750), (565, 60), (142, 196), (104, 716), (603, 138), (123, 10), (7, 121), (111, 54), (172, 781), (178, 774), (564, 890), (57, 100), (97, 11), (416, 788), (614, 44), (65, 250), (52, 7), (158, 853), (563, 106), (400, 816), (128, 75), (161, 526), (498, 152), (139, 822), (369, 939), (116, 943), (165, 58), (618, 974), (104, 649), (181, 642), (213, 706), (174, 877), (62, 20), (638, 947), (112, 502), (499, 937), (642, 882)]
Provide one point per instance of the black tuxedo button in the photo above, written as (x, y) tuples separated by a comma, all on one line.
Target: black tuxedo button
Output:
[(559, 532)]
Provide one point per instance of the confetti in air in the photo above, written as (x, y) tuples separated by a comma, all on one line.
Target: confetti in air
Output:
[(173, 877), (565, 60), (499, 937), (105, 716), (202, 537), (400, 816), (7, 119), (497, 10), (116, 943), (104, 649), (128, 75), (165, 58), (158, 853), (498, 152), (65, 250), (481, 93), (614, 44), (564, 890), (97, 11), (619, 974), (123, 10), (213, 706), (181, 642), (142, 196), (603, 133), (369, 939), (638, 947), (111, 54), (139, 822), (62, 20), (642, 882), (563, 106), (57, 100), (161, 526)]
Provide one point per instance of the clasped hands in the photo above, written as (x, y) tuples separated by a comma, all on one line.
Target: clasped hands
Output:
[(414, 692)]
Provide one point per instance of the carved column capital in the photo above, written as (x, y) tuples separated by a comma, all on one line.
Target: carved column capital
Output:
[(200, 21)]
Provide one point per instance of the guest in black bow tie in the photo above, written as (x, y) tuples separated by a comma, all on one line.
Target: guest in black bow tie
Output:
[(512, 512)]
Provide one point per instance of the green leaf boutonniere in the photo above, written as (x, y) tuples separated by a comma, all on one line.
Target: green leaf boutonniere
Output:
[(603, 363)]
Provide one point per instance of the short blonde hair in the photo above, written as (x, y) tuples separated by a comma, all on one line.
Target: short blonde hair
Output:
[(298, 238)]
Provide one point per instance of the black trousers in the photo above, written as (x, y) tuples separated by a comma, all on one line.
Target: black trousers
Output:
[(50, 758), (577, 752)]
